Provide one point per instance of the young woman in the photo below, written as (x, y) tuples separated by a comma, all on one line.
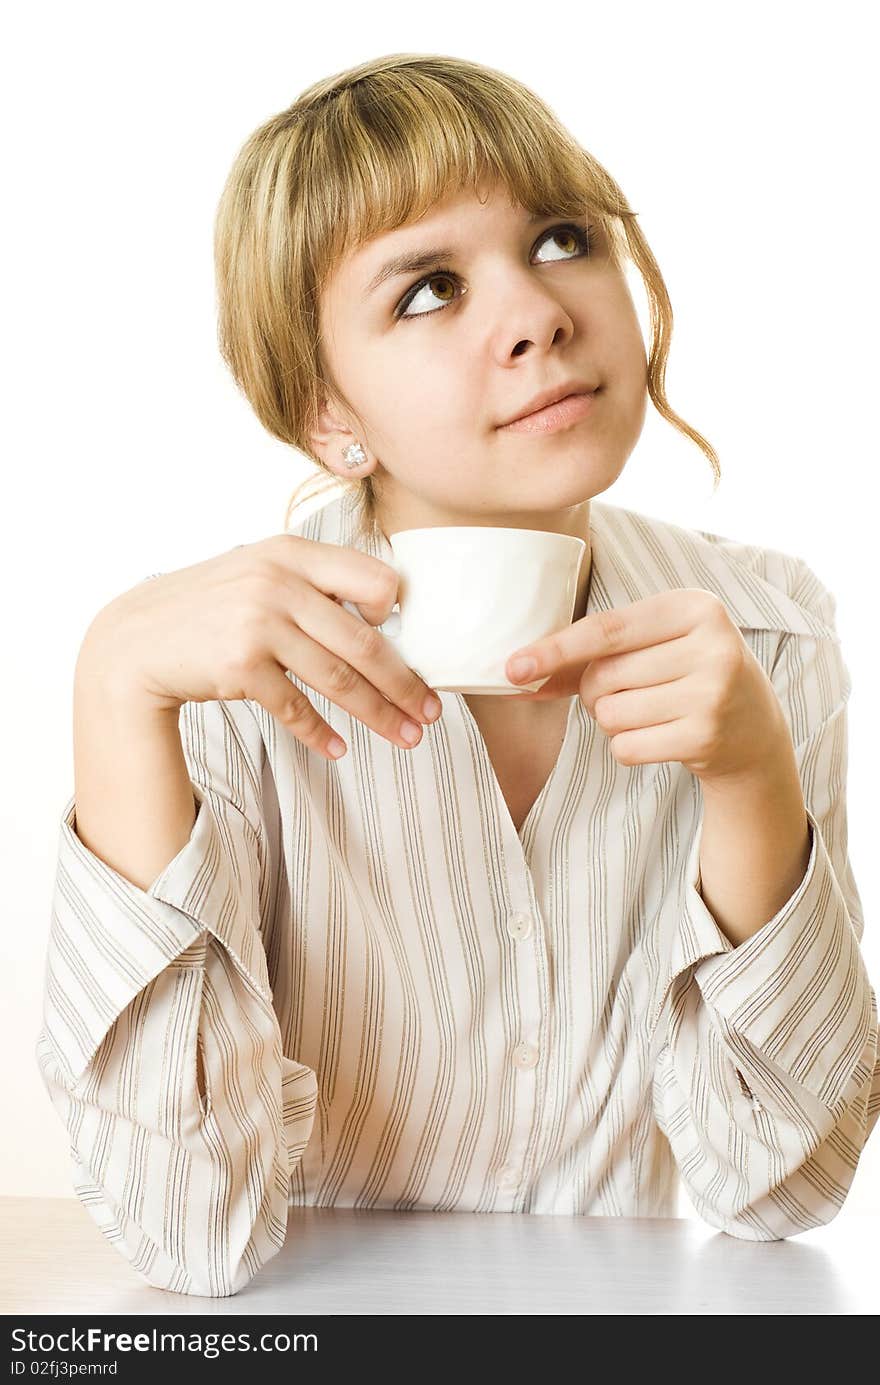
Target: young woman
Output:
[(553, 952)]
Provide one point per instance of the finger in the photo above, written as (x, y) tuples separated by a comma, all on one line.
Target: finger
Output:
[(342, 572), (335, 678), (651, 745), (365, 649), (664, 616), (634, 708), (269, 686), (659, 663)]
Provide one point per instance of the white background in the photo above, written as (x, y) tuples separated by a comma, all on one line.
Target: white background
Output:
[(744, 136)]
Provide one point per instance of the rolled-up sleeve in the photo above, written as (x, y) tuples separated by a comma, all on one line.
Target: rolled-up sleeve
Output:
[(768, 1083), (160, 1047)]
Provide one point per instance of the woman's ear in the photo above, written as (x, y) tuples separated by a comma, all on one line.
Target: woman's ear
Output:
[(331, 436)]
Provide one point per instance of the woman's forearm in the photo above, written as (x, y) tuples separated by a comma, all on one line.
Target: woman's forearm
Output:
[(135, 807)]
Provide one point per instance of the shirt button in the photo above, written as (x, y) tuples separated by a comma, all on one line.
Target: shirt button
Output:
[(525, 1055), (507, 1178), (519, 926)]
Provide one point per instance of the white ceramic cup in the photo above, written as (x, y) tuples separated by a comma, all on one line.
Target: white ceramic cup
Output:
[(470, 596)]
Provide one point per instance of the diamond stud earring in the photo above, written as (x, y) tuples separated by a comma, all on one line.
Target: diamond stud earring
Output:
[(354, 454)]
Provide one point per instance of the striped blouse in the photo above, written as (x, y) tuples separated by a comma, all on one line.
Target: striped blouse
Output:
[(358, 985)]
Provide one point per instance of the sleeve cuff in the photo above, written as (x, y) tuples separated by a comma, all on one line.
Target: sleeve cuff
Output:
[(797, 989), (108, 938)]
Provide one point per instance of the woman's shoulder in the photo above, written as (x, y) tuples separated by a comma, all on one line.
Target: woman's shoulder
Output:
[(764, 587)]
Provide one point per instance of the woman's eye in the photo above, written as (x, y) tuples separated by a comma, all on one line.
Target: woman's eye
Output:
[(579, 238)]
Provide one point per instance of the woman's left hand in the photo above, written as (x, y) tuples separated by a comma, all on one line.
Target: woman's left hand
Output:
[(669, 677)]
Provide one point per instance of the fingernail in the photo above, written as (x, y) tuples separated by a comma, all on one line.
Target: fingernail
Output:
[(432, 707), (336, 747), (410, 732), (522, 668)]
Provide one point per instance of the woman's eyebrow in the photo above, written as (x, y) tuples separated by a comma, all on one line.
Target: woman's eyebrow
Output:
[(414, 261)]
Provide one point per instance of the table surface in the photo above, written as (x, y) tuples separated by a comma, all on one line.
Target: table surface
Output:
[(54, 1259)]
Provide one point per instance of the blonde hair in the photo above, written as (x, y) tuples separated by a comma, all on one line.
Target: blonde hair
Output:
[(365, 151)]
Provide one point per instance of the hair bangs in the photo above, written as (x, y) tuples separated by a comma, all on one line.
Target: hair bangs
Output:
[(396, 147)]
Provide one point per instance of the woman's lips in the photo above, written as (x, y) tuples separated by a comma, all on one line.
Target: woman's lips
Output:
[(550, 419)]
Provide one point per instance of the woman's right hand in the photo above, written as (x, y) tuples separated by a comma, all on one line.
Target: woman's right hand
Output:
[(226, 629)]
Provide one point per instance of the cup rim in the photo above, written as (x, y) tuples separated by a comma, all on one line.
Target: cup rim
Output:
[(486, 529)]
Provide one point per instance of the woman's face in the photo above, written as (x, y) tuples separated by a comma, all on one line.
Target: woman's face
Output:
[(519, 307)]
